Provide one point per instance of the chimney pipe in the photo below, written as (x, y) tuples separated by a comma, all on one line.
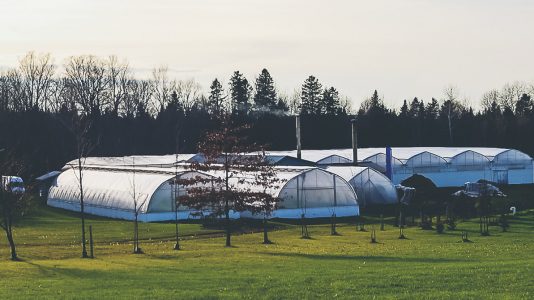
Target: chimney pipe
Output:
[(354, 143), (299, 147)]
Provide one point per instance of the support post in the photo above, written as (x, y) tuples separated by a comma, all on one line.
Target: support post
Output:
[(91, 243), (299, 146), (354, 143)]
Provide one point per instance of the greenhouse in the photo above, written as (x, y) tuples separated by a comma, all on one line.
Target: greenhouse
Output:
[(445, 166), (371, 186), (448, 167), (110, 185), (303, 191), (308, 190), (110, 192)]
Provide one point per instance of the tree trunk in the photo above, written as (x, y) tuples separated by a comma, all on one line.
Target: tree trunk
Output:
[(137, 250), (226, 204), (265, 236), (84, 246), (9, 233), (228, 231), (177, 245)]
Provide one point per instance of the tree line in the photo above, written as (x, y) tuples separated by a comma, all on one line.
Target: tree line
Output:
[(158, 115)]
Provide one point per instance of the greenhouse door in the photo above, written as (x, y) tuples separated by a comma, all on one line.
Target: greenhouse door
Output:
[(500, 176)]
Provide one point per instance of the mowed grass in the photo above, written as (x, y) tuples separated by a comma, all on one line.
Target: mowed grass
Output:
[(425, 266)]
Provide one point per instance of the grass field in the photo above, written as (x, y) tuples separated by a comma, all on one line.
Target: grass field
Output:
[(426, 266)]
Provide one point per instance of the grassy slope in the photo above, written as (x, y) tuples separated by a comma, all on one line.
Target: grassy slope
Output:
[(427, 265)]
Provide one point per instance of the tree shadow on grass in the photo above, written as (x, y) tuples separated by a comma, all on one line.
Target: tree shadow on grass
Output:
[(51, 271), (368, 258), (165, 256)]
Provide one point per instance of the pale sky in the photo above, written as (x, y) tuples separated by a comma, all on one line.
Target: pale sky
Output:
[(403, 48)]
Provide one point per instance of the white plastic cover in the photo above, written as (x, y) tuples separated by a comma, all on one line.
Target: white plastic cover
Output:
[(302, 188), (138, 160), (114, 189), (416, 155), (371, 186)]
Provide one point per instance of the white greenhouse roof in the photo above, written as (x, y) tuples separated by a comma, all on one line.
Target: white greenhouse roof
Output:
[(110, 188), (245, 179), (139, 160), (371, 186), (402, 154), (346, 172)]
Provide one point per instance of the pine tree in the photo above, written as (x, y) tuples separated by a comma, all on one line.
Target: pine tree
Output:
[(265, 97), (432, 109), (523, 106), (404, 109), (216, 98), (413, 112), (311, 96), (373, 106), (494, 110), (421, 109), (330, 102), (240, 91)]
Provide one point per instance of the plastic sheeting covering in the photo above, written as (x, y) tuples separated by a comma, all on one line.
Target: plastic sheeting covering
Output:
[(109, 191), (302, 189), (371, 186), (116, 189), (317, 188), (138, 160), (445, 166), (403, 155)]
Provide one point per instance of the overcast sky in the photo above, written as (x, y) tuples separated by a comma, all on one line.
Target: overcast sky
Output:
[(403, 48)]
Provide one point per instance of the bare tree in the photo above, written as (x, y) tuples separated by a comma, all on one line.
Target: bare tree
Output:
[(161, 88), (56, 100), (137, 98), (119, 80), (14, 90), (294, 102), (138, 202), (87, 80), (175, 186), (488, 98), (510, 94), (188, 92), (346, 104), (176, 202), (451, 96), (36, 72), (530, 89), (79, 127), (4, 92)]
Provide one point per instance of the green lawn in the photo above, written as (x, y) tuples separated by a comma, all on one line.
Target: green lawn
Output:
[(426, 266)]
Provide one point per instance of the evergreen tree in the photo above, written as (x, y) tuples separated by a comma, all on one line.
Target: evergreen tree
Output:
[(404, 110), (432, 109), (216, 98), (265, 97), (413, 112), (311, 96), (281, 105), (421, 109), (494, 110), (523, 106), (373, 106), (330, 102), (240, 91)]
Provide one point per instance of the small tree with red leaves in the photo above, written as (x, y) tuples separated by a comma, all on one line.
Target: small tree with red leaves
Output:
[(243, 179)]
